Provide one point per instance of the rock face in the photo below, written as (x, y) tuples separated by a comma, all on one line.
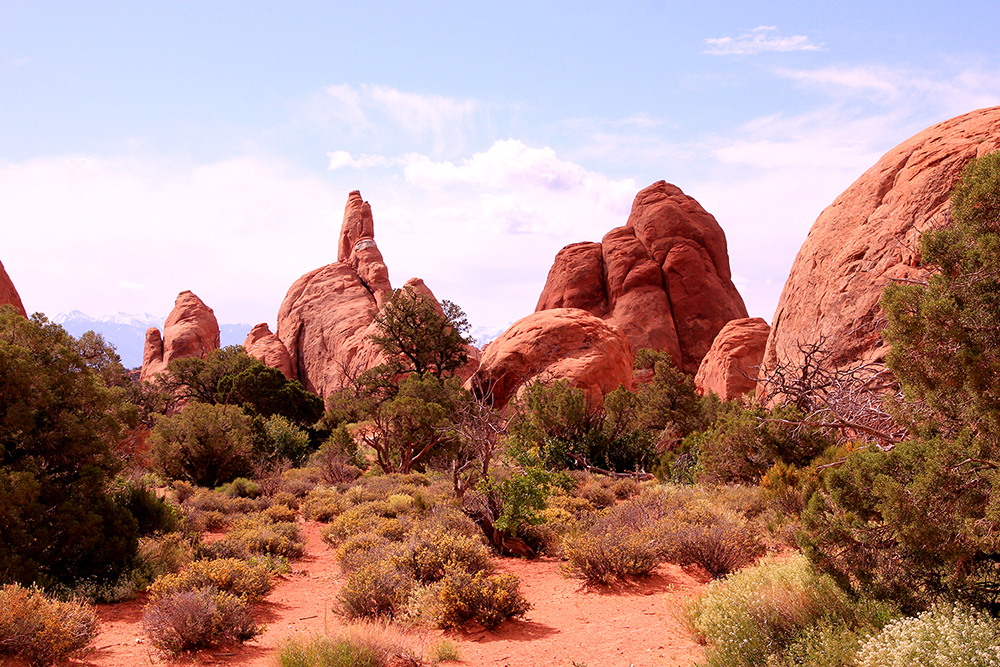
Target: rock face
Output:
[(324, 323), (732, 362), (663, 279), (553, 344), (191, 330), (868, 238), (8, 294), (263, 345)]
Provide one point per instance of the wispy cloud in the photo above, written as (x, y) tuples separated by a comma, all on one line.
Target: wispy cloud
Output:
[(128, 284), (341, 159), (759, 40), (371, 110)]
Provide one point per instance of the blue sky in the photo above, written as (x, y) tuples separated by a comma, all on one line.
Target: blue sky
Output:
[(148, 148)]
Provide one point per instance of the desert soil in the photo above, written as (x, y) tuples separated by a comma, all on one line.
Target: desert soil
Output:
[(569, 623)]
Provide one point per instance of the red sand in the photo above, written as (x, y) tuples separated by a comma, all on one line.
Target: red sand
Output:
[(635, 624)]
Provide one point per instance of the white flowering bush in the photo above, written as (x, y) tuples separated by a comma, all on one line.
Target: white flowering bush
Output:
[(944, 636), (755, 614)]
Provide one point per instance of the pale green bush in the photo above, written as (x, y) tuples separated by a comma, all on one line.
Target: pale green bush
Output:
[(944, 636), (755, 614)]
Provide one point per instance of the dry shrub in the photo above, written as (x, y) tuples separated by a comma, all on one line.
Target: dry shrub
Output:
[(377, 589), (298, 481), (229, 575), (186, 620), (322, 504), (599, 495), (42, 631), (280, 513), (625, 488), (487, 599), (607, 554), (358, 551), (285, 498), (720, 541), (360, 519)]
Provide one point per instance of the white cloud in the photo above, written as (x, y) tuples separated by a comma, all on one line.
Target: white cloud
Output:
[(760, 39), (236, 232), (340, 159)]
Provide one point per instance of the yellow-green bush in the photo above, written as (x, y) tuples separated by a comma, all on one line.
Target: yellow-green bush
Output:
[(256, 534), (430, 552), (361, 645), (42, 631), (322, 504), (229, 575), (488, 599), (186, 620), (166, 554)]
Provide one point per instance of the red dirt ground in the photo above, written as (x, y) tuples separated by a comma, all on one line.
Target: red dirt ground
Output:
[(569, 623)]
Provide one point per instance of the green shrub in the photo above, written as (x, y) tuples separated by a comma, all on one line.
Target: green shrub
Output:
[(228, 575), (187, 620), (365, 645), (61, 409), (205, 444), (241, 487), (754, 615), (285, 440), (151, 513), (42, 631), (945, 635)]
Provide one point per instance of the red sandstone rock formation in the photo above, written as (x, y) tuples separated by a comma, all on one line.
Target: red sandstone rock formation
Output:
[(729, 368), (868, 238), (358, 250), (556, 344), (328, 314), (191, 330), (263, 345), (8, 294), (663, 279)]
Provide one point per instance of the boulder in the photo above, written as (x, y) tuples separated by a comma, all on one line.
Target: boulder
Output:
[(555, 344), (663, 279), (324, 323), (191, 330), (8, 294), (869, 237), (732, 363), (263, 345)]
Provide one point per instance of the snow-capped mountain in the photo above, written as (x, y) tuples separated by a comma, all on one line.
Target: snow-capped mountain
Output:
[(127, 331)]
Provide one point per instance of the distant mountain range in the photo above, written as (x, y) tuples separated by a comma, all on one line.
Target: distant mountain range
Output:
[(127, 331)]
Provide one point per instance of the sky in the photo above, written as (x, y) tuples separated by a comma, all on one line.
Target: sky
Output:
[(150, 148)]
